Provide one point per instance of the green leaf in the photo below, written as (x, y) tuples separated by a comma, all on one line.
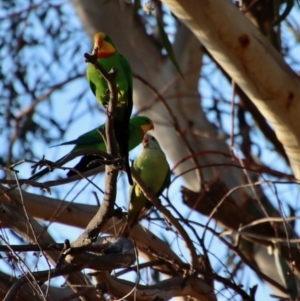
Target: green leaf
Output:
[(167, 45)]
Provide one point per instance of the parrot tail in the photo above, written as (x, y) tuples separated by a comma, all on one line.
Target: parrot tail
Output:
[(122, 137)]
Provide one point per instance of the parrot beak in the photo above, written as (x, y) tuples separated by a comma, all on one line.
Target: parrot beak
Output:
[(99, 43), (145, 141), (105, 49)]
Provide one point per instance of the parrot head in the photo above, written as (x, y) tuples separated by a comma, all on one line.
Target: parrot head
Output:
[(104, 45), (150, 142), (147, 125)]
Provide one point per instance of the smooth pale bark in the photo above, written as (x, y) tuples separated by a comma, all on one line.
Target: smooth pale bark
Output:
[(180, 94), (251, 61), (256, 67), (145, 59)]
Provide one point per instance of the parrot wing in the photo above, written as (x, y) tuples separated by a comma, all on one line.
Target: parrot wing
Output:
[(154, 170)]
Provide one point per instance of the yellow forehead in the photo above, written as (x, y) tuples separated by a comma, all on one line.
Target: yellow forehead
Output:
[(99, 35), (147, 127)]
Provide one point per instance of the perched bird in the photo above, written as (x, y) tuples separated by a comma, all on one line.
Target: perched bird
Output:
[(109, 57), (138, 127), (154, 170)]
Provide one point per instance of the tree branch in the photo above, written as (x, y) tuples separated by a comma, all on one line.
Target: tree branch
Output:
[(153, 199), (111, 172)]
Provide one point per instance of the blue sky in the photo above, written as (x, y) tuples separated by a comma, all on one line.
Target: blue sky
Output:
[(66, 107)]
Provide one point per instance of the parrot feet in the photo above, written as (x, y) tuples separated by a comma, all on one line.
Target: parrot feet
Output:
[(41, 163), (102, 161), (118, 162)]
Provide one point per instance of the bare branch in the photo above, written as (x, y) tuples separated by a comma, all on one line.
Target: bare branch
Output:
[(173, 221), (111, 172)]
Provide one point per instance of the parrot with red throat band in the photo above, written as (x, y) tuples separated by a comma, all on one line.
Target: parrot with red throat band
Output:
[(109, 58), (138, 127)]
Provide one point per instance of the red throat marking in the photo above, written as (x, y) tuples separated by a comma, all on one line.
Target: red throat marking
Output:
[(104, 54), (99, 42)]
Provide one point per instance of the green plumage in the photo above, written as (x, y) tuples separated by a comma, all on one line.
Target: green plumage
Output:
[(110, 58), (154, 170), (138, 126)]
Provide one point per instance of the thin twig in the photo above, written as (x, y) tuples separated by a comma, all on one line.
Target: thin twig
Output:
[(41, 276), (245, 260), (175, 124), (111, 172), (29, 274), (154, 200)]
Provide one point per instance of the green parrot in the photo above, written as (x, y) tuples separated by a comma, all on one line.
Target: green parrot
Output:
[(154, 170), (138, 126), (109, 57)]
